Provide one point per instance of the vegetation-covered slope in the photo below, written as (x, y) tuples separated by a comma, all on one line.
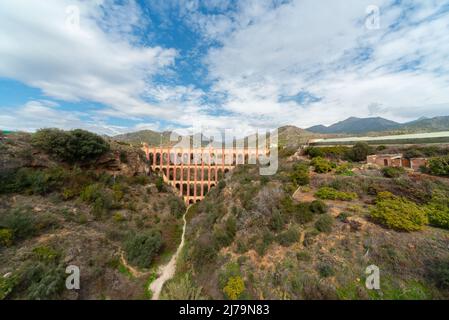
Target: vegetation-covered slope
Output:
[(102, 214), (306, 235)]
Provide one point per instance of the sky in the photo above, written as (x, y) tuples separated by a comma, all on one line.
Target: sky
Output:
[(115, 66)]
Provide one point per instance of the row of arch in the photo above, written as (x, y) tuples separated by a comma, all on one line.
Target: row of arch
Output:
[(165, 158), (200, 174)]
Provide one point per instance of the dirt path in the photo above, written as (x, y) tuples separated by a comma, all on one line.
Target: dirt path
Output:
[(167, 272)]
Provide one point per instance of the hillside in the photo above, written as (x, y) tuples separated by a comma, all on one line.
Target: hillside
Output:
[(93, 214), (150, 137), (310, 232)]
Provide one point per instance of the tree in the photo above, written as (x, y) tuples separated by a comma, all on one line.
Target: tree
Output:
[(359, 152), (71, 146), (142, 248)]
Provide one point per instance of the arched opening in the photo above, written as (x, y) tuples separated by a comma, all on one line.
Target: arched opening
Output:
[(206, 189), (185, 158), (172, 158), (178, 174), (184, 174), (178, 158), (158, 159), (164, 170), (198, 189), (198, 201), (240, 159), (192, 189), (184, 188), (191, 201), (151, 160), (164, 158), (386, 162), (171, 174), (219, 174), (178, 186), (212, 174)]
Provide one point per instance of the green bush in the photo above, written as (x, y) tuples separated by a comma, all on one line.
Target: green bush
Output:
[(324, 223), (43, 280), (277, 221), (440, 272), (143, 247), (72, 146), (344, 170), (393, 172), (328, 193), (288, 237), (6, 237), (399, 214), (182, 288), (204, 251), (44, 253), (21, 222), (322, 165), (359, 152), (438, 215), (160, 185), (439, 166), (326, 270), (300, 174), (7, 286), (318, 206), (177, 206), (303, 213), (223, 236)]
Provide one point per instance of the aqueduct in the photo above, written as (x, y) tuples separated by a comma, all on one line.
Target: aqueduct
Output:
[(194, 171)]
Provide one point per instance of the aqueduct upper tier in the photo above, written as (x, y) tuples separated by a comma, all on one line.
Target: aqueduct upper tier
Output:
[(194, 171)]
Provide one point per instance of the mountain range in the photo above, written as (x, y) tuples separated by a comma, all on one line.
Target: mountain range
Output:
[(292, 134), (355, 125)]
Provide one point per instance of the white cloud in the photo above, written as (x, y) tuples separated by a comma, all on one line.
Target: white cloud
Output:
[(41, 46), (308, 45)]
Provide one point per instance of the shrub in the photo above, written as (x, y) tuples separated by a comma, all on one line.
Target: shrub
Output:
[(300, 174), (440, 273), (182, 289), (327, 193), (399, 213), (204, 250), (321, 165), (438, 215), (288, 237), (318, 206), (393, 172), (303, 214), (6, 237), (324, 223), (142, 248), (6, 286), (45, 254), (72, 146), (439, 166), (344, 170), (326, 270), (234, 288), (123, 156), (277, 221), (314, 152), (43, 280), (160, 185), (359, 152), (177, 206), (20, 222), (225, 236)]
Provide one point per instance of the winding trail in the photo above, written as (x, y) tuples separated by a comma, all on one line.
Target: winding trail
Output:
[(167, 272)]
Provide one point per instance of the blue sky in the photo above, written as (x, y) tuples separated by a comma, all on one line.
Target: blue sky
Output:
[(114, 66)]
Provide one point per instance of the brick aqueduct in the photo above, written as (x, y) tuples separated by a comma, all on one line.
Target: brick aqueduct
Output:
[(194, 171)]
